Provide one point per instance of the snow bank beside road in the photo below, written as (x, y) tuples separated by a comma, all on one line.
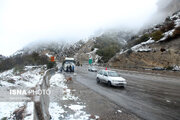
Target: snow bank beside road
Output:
[(73, 111)]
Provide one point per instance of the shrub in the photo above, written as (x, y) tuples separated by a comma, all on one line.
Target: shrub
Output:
[(169, 68), (107, 47), (176, 32), (129, 52), (168, 26), (157, 35), (143, 38), (18, 69), (51, 65)]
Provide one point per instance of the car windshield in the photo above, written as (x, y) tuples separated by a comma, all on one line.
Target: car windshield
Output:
[(113, 74)]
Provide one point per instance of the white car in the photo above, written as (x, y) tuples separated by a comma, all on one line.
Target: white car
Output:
[(111, 78), (92, 69)]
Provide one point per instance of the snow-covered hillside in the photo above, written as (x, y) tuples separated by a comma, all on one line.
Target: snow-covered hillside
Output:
[(18, 106)]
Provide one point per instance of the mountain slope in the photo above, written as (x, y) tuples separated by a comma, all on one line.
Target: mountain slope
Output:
[(104, 47), (158, 47)]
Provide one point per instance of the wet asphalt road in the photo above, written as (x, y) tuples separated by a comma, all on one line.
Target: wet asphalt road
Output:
[(149, 96)]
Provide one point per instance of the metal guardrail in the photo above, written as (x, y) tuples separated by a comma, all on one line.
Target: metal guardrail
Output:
[(41, 102)]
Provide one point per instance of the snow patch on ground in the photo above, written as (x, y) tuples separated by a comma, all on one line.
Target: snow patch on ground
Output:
[(56, 111), (119, 111), (76, 107)]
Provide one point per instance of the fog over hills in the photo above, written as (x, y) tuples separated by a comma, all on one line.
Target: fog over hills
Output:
[(63, 22), (164, 8)]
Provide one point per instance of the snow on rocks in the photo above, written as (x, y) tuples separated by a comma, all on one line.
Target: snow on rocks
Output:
[(120, 111), (166, 34), (177, 21), (170, 32), (176, 68), (142, 47), (93, 52)]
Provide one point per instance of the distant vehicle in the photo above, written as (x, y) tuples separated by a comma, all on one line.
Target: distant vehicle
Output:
[(68, 64), (92, 69), (112, 78), (158, 68)]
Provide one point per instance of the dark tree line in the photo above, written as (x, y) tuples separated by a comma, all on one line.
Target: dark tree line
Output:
[(23, 60)]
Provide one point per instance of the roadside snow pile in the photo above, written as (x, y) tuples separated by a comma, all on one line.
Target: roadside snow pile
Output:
[(142, 47), (68, 111), (56, 111), (28, 78), (9, 109), (77, 113), (59, 81)]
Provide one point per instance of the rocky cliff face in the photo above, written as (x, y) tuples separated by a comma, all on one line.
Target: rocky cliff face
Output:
[(86, 51), (162, 55)]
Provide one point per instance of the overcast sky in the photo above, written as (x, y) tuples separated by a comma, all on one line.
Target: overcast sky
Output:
[(26, 21)]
